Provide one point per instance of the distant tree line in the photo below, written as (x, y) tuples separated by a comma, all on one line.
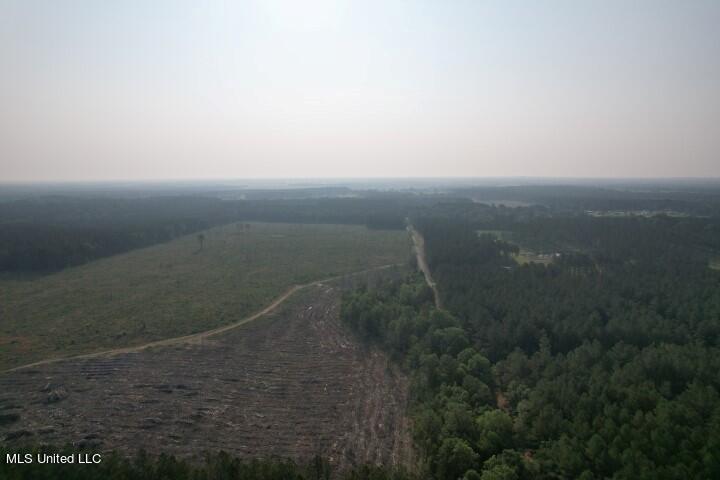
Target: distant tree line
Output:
[(46, 234), (694, 200)]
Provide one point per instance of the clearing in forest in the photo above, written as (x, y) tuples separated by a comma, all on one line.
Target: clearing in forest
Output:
[(525, 255), (294, 383), (180, 287)]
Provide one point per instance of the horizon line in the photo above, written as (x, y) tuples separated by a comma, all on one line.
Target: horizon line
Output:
[(167, 180)]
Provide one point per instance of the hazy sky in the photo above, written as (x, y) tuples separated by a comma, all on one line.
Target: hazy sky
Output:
[(320, 88)]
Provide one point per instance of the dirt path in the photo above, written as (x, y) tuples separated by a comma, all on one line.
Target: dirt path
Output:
[(294, 384), (195, 337), (419, 243)]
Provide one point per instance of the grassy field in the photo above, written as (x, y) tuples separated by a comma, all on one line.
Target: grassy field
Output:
[(175, 288), (527, 256)]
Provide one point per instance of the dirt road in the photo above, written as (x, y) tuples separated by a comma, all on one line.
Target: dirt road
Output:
[(419, 243), (196, 337), (295, 383)]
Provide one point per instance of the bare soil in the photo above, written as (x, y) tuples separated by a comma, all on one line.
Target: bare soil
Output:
[(419, 246), (293, 383)]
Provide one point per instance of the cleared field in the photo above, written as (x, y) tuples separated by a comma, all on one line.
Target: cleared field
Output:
[(177, 288), (498, 234), (504, 203), (527, 256), (294, 383)]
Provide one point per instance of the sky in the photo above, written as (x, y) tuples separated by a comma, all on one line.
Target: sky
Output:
[(179, 89)]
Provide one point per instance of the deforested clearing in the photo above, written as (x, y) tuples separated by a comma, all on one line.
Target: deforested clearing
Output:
[(194, 283), (295, 383)]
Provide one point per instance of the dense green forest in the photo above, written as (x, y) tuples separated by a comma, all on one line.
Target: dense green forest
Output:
[(50, 233), (601, 364)]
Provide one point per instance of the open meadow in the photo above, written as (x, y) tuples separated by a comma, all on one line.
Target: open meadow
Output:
[(179, 288)]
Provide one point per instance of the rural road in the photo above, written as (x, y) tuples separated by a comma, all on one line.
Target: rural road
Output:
[(197, 337), (419, 243)]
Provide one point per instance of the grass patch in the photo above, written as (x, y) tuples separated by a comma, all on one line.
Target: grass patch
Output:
[(176, 289), (527, 256)]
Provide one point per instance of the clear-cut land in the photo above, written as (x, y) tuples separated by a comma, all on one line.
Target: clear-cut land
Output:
[(293, 383), (178, 288)]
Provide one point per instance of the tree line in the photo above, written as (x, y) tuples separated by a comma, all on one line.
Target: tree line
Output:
[(47, 234)]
